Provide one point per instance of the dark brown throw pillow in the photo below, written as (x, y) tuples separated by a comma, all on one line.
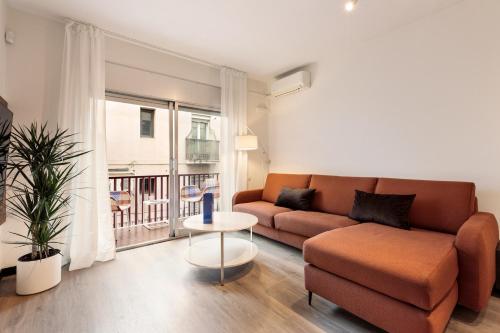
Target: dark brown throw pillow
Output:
[(389, 209), (295, 198)]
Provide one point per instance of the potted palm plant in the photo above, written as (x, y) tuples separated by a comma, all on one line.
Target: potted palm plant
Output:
[(40, 167)]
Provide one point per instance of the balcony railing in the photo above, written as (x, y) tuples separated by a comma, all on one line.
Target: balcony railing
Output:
[(202, 150), (143, 189), (193, 208)]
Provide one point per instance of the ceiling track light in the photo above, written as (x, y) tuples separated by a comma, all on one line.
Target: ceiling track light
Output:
[(350, 5)]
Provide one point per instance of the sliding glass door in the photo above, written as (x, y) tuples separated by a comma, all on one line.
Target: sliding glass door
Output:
[(198, 139), (162, 155), (139, 136)]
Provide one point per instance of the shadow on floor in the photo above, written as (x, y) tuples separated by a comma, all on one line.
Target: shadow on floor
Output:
[(335, 318), (212, 276)]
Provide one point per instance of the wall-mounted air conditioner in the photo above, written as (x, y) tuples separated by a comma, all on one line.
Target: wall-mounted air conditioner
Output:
[(291, 83)]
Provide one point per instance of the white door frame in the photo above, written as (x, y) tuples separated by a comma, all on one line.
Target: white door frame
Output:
[(173, 182)]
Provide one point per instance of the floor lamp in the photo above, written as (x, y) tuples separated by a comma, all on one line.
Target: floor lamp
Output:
[(248, 142)]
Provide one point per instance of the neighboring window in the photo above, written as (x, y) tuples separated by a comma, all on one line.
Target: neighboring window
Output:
[(201, 142), (199, 129), (147, 123)]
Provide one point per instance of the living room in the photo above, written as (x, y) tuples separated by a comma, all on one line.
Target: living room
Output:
[(325, 166)]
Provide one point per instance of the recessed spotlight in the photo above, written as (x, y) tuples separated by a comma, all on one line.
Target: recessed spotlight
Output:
[(350, 5)]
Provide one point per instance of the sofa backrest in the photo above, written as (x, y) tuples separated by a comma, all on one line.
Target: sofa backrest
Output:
[(335, 194), (439, 205), (276, 181)]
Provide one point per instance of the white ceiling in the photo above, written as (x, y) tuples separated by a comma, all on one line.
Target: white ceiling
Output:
[(261, 37)]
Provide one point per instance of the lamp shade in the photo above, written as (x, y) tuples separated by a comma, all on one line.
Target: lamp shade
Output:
[(246, 142)]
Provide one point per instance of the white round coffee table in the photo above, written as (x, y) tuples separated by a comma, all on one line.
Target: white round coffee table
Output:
[(215, 253)]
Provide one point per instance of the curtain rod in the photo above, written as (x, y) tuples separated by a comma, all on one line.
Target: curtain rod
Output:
[(137, 42), (161, 50)]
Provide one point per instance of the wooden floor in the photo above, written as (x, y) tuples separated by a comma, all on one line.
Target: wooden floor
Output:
[(127, 237), (152, 289)]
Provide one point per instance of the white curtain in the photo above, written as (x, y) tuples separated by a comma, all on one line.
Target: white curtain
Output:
[(234, 122), (82, 111)]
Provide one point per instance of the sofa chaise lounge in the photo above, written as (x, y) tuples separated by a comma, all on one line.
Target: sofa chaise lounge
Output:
[(399, 280)]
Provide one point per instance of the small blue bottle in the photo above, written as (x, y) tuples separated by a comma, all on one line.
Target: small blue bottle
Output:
[(208, 207)]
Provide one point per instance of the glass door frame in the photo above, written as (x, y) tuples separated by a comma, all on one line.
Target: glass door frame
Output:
[(173, 165), (173, 176), (172, 107), (174, 153)]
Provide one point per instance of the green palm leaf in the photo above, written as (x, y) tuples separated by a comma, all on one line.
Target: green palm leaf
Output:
[(41, 167)]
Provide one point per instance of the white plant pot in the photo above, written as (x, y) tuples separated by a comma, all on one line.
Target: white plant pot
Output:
[(38, 275)]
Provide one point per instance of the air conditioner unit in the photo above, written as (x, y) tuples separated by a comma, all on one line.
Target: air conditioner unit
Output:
[(290, 84)]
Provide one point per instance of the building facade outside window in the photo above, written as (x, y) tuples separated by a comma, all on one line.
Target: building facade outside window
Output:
[(132, 153)]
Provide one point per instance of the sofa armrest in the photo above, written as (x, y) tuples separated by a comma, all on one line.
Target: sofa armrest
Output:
[(476, 244), (247, 196)]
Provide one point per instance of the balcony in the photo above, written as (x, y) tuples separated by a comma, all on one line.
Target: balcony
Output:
[(144, 222), (198, 150)]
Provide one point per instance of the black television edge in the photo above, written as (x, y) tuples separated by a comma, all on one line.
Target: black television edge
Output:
[(5, 130)]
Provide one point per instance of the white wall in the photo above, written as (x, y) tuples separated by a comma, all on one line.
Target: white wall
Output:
[(422, 101), (141, 71), (3, 55), (32, 88), (33, 70), (257, 120)]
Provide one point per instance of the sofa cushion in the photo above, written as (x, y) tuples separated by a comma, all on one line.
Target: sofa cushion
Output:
[(310, 223), (335, 194), (295, 198), (414, 266), (389, 209), (276, 181), (439, 205), (265, 211)]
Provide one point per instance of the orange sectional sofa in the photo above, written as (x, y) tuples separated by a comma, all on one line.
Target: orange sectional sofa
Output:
[(399, 280)]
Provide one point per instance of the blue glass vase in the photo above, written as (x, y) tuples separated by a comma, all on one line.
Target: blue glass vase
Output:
[(208, 208)]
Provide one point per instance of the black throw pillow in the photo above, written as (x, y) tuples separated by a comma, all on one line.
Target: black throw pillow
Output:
[(295, 198), (389, 209)]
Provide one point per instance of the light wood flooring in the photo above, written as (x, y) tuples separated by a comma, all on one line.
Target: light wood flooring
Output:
[(127, 237), (153, 289)]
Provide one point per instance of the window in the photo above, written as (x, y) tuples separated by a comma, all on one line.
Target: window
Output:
[(198, 129), (147, 123), (201, 143)]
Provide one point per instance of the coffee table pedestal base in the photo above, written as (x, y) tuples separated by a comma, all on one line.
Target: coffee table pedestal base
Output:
[(219, 253)]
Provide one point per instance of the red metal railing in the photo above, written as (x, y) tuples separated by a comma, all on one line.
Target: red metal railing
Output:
[(153, 187)]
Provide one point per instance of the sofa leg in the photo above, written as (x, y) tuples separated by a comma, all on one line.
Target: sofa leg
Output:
[(310, 297)]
